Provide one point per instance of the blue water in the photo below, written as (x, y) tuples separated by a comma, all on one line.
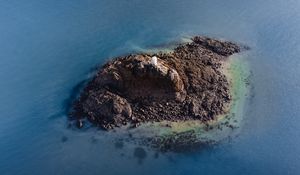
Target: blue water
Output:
[(49, 47)]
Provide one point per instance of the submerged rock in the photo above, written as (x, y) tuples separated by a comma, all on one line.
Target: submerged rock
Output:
[(186, 84)]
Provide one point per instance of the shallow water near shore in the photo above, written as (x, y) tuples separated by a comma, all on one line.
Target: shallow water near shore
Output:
[(47, 49)]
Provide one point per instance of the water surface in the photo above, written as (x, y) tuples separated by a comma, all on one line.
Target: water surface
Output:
[(48, 47)]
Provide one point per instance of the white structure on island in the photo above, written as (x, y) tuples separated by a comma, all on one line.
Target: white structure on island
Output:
[(154, 60)]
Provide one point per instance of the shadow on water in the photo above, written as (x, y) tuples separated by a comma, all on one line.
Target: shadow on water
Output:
[(156, 155), (77, 89), (140, 154), (119, 144), (67, 103), (64, 139), (93, 140), (74, 93)]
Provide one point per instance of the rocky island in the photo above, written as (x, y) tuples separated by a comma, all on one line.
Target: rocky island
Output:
[(185, 84)]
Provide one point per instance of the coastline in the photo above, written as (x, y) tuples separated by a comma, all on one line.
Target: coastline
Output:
[(153, 112), (237, 71)]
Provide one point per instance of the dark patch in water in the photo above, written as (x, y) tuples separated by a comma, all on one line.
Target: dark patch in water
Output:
[(56, 116), (119, 144), (171, 159), (93, 140), (156, 155), (140, 154), (75, 92), (64, 139), (73, 95)]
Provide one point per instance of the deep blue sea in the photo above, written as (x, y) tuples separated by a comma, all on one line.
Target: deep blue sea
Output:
[(48, 47)]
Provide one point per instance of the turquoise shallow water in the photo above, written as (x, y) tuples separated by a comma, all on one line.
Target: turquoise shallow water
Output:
[(47, 48)]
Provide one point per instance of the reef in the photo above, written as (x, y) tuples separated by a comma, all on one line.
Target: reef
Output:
[(185, 84)]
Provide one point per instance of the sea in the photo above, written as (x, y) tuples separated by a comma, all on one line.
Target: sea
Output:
[(49, 48)]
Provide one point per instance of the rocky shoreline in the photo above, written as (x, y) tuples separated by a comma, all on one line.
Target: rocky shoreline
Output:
[(186, 84)]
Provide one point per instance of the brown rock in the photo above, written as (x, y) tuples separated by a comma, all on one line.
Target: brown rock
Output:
[(182, 85)]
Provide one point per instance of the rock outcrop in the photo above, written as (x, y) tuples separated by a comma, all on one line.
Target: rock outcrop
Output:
[(186, 84)]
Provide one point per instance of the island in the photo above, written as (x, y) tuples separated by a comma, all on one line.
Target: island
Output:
[(185, 84)]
